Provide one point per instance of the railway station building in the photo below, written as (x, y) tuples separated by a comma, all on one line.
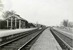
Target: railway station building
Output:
[(15, 22)]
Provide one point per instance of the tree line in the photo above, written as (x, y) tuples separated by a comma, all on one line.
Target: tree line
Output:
[(67, 23)]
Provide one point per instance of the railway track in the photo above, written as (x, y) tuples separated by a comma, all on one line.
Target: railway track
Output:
[(10, 38), (64, 41), (20, 42)]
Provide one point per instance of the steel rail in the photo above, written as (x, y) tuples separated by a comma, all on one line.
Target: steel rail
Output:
[(68, 46), (30, 40), (19, 38)]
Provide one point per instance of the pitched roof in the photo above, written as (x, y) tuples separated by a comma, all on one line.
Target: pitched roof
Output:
[(16, 16)]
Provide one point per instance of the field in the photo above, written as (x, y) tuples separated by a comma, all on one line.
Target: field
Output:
[(67, 29)]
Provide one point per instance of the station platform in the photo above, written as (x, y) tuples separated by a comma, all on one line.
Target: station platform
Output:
[(46, 41), (14, 31), (68, 34)]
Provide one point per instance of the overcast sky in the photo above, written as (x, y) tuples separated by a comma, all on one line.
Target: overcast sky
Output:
[(48, 12)]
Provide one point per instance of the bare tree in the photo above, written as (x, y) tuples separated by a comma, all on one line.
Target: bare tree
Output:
[(65, 23), (7, 14), (70, 24)]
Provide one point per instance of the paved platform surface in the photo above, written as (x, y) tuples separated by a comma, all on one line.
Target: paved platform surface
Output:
[(46, 41), (10, 32)]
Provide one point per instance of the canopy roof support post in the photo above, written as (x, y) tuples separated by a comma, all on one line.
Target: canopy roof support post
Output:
[(7, 23), (11, 23), (19, 24)]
